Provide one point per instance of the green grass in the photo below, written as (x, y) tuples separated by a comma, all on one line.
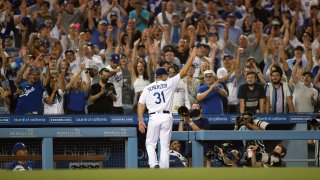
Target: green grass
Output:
[(176, 174)]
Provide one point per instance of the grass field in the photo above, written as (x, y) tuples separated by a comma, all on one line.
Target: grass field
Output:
[(176, 174)]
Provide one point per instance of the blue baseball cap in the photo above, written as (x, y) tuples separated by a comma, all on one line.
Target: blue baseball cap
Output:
[(161, 71), (42, 26), (115, 58), (19, 146), (34, 70), (200, 44), (26, 21), (231, 15), (103, 22)]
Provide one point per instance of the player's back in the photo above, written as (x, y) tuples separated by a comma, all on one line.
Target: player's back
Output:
[(158, 96)]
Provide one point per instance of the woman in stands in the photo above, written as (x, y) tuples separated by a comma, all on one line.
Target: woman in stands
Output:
[(53, 96), (77, 93)]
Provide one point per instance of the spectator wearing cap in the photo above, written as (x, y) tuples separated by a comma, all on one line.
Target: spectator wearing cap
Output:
[(304, 95), (233, 31), (169, 56), (68, 13), (117, 81), (141, 51), (103, 94), (20, 150), (251, 95), (278, 95), (30, 91), (200, 59), (40, 38), (181, 95), (230, 8), (93, 71), (99, 34), (227, 76), (198, 11), (140, 15), (9, 47), (209, 94), (77, 92)]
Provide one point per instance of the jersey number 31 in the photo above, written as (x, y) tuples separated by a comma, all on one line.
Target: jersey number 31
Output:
[(160, 97)]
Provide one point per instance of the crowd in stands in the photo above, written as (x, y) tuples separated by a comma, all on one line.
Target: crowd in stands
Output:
[(96, 56)]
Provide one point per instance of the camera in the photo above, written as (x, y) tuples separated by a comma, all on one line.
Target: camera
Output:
[(183, 111), (108, 89), (226, 147), (314, 122), (263, 125), (253, 120), (267, 158)]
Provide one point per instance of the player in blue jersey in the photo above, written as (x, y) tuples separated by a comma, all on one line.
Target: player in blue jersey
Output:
[(20, 150)]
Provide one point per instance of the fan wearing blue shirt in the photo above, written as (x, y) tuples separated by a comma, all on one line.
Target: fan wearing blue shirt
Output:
[(30, 92), (209, 94)]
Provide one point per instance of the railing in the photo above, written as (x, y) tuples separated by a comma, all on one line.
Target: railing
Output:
[(103, 120), (296, 149), (49, 133)]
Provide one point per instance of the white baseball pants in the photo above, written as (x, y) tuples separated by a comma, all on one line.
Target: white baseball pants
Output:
[(159, 125)]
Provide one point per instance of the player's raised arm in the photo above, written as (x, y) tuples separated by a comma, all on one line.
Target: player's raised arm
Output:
[(184, 70)]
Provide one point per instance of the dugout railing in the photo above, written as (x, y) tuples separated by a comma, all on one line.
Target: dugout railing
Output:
[(294, 140), (296, 150), (47, 136)]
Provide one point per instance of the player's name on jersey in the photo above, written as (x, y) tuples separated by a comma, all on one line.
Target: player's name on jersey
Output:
[(157, 86)]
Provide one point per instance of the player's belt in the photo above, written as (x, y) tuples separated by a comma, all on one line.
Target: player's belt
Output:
[(161, 112)]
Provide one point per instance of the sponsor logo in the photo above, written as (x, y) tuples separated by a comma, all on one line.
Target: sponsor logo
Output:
[(22, 133), (69, 133), (4, 120), (113, 132), (299, 118), (60, 120)]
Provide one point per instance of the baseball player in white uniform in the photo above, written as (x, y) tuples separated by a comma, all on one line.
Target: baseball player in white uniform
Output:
[(158, 97)]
